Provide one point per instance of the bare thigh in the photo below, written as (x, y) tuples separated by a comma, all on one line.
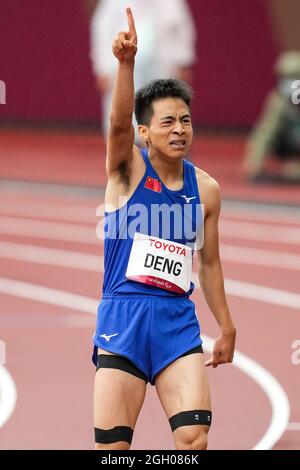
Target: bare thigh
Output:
[(118, 398), (183, 386)]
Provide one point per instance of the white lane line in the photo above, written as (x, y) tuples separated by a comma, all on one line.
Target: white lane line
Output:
[(254, 216), (262, 293), (272, 388), (93, 263), (8, 395), (293, 427), (261, 232), (50, 256), (48, 230), (77, 260), (232, 253), (87, 213), (47, 295), (75, 232), (54, 211), (83, 212), (258, 257)]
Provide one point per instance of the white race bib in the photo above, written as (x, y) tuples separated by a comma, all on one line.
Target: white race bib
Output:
[(160, 263)]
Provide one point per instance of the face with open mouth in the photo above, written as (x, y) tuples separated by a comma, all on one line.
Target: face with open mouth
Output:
[(170, 131), (178, 144)]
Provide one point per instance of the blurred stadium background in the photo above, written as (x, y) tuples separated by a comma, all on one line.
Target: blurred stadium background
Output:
[(52, 180)]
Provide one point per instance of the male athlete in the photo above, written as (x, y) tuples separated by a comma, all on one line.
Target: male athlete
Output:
[(147, 329)]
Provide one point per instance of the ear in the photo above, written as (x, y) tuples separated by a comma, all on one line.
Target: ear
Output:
[(144, 133)]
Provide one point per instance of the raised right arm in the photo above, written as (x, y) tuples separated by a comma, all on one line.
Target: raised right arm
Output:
[(121, 131)]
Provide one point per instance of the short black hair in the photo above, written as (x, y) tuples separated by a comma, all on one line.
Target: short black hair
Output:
[(159, 89)]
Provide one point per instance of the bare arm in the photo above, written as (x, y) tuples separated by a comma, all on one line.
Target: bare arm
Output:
[(211, 277), (121, 132)]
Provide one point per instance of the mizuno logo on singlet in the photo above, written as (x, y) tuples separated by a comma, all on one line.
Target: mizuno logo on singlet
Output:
[(188, 199), (107, 337)]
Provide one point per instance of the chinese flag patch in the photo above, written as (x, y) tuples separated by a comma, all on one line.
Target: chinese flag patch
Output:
[(153, 184)]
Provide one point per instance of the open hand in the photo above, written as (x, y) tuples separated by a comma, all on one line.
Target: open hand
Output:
[(125, 45)]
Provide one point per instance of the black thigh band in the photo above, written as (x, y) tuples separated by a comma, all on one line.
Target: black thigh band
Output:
[(116, 434), (188, 418), (108, 361), (197, 349)]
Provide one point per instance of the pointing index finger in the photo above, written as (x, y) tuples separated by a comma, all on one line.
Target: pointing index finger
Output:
[(130, 21)]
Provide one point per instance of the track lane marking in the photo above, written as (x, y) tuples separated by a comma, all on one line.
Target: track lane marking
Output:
[(8, 395), (272, 388), (75, 232), (57, 257), (93, 263)]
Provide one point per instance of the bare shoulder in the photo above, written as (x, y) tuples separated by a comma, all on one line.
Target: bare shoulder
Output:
[(209, 190)]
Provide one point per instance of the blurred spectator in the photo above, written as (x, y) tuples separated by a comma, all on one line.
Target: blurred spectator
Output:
[(89, 6), (277, 132), (167, 38)]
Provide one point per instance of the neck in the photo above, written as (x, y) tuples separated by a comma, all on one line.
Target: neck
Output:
[(169, 169)]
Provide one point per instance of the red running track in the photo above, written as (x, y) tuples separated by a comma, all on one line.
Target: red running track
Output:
[(49, 346), (49, 250), (78, 159)]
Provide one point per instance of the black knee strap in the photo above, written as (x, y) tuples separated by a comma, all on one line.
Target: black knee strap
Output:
[(108, 361), (116, 434), (188, 418)]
